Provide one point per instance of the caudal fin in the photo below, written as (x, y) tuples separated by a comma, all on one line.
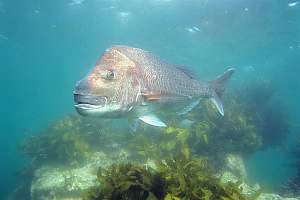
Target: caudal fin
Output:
[(219, 87)]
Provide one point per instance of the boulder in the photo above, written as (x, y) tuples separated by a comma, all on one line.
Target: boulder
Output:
[(235, 164), (269, 196), (67, 183), (247, 190), (62, 183), (251, 192)]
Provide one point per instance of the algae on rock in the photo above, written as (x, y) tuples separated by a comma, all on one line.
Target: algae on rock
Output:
[(126, 181), (60, 143), (174, 178)]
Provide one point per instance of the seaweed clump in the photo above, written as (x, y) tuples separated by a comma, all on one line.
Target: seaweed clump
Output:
[(192, 179), (172, 140), (172, 179), (268, 114), (254, 120), (60, 143), (126, 181), (208, 135), (236, 132)]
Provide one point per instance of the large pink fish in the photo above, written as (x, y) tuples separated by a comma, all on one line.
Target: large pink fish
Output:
[(129, 81)]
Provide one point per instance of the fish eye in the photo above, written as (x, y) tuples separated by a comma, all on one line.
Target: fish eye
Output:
[(108, 74)]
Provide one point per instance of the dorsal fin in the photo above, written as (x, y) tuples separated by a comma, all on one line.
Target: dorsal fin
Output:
[(187, 71)]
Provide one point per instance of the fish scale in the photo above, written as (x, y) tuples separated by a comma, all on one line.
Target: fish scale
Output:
[(133, 82), (160, 76)]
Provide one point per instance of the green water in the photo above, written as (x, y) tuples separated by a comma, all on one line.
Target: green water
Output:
[(46, 46)]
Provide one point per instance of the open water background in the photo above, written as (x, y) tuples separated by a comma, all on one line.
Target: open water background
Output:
[(46, 46)]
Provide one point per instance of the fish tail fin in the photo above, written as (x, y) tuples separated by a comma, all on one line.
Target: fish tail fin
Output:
[(218, 85)]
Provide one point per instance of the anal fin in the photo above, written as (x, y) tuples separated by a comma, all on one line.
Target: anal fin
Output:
[(218, 103), (153, 120), (188, 108)]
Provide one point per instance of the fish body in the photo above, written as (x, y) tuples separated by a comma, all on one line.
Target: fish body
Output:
[(127, 80)]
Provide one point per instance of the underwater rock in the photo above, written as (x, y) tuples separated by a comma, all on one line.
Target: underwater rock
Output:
[(61, 183), (251, 192), (54, 183), (268, 196), (228, 177), (247, 190), (236, 165)]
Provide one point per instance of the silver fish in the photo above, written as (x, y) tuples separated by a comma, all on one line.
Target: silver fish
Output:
[(128, 81)]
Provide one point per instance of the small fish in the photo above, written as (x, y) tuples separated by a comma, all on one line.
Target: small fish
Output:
[(196, 28), (134, 83), (76, 2), (292, 4), (191, 30)]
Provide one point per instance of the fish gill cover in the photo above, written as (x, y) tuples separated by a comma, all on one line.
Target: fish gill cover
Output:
[(200, 154)]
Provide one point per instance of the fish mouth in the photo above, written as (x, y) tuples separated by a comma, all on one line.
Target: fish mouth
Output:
[(85, 106), (89, 102), (96, 106)]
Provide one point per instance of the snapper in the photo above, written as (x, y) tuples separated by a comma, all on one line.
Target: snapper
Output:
[(129, 81)]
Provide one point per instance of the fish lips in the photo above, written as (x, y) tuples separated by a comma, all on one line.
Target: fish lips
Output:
[(96, 106), (88, 102)]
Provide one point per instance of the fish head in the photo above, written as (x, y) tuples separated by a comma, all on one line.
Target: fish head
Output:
[(110, 89)]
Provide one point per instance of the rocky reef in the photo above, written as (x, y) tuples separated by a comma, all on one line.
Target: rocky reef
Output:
[(118, 178), (198, 156)]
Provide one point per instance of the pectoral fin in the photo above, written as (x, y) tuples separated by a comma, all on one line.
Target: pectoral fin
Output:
[(152, 120)]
